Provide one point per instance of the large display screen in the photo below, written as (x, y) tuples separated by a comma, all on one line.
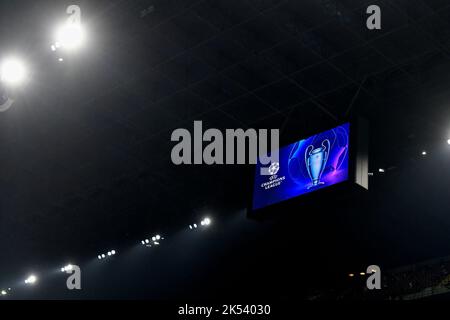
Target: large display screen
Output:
[(305, 166)]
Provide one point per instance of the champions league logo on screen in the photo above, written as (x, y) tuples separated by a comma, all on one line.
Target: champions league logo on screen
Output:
[(274, 180), (305, 166)]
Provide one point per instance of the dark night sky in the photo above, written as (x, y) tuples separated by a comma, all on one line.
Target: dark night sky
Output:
[(85, 151)]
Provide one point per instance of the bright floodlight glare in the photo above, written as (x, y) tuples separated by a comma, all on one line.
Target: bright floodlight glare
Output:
[(448, 141), (190, 227), (207, 221), (31, 279), (12, 71), (147, 241), (4, 292), (103, 256), (424, 153), (70, 36), (158, 237), (63, 269), (195, 225), (99, 257), (381, 170), (113, 252)]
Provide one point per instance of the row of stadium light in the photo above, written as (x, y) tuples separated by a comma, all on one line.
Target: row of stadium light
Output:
[(32, 279), (106, 255), (204, 223), (154, 241), (424, 153)]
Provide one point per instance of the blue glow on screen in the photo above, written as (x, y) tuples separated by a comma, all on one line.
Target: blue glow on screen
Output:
[(305, 166)]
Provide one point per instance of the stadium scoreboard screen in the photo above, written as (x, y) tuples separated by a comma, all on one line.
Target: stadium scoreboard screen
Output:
[(332, 157)]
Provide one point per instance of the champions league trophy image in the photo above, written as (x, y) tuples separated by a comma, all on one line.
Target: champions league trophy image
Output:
[(316, 160)]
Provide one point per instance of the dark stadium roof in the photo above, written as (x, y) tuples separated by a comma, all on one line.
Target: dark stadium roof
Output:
[(85, 152)]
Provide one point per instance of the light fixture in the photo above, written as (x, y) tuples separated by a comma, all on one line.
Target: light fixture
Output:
[(103, 256), (448, 141), (381, 170), (351, 275), (99, 257), (12, 71), (424, 153), (206, 221), (31, 279), (69, 267), (113, 252), (362, 273), (158, 237), (70, 36), (4, 293)]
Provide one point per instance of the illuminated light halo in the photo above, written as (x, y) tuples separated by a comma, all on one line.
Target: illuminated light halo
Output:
[(70, 36), (12, 71)]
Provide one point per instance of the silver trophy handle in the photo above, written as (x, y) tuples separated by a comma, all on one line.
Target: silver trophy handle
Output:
[(327, 146), (307, 151)]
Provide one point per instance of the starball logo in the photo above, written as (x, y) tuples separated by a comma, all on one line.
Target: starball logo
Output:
[(274, 180), (236, 146)]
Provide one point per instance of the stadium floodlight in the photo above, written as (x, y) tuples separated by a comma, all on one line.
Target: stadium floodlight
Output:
[(190, 226), (153, 239), (103, 256), (195, 225), (206, 221), (424, 153), (147, 241), (31, 279), (351, 275), (158, 237), (70, 36), (381, 170), (99, 257), (12, 71), (4, 293), (109, 253), (113, 252), (448, 141), (362, 273)]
